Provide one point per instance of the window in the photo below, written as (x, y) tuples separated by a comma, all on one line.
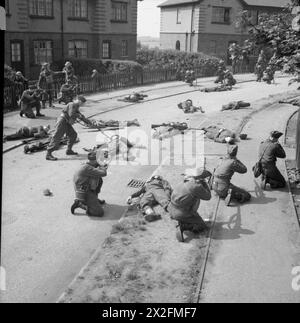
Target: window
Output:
[(78, 9), (253, 15), (177, 47), (41, 8), (78, 48), (106, 49), (124, 48), (221, 15), (15, 52), (42, 51), (119, 11), (178, 16)]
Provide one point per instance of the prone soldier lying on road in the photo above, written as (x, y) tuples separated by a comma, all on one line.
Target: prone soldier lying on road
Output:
[(134, 97), (236, 105), (87, 184), (29, 132), (220, 135), (186, 197), (295, 101), (188, 107), (70, 115), (167, 130), (156, 191), (223, 175), (221, 88), (100, 124), (269, 151)]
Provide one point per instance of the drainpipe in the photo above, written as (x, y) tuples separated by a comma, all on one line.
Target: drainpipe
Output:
[(62, 28), (192, 25)]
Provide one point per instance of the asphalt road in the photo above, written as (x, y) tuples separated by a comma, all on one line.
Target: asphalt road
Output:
[(43, 245)]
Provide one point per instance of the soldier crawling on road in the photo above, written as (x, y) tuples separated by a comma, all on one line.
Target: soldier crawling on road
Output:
[(29, 132), (235, 105), (220, 88), (134, 97), (188, 107), (156, 191)]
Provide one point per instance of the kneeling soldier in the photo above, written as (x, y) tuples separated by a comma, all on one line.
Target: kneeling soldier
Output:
[(87, 184), (222, 178), (186, 197)]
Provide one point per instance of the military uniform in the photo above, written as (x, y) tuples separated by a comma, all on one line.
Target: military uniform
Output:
[(28, 132), (64, 126), (185, 201), (218, 134), (46, 82), (223, 175), (236, 105), (30, 100), (269, 151), (87, 184), (156, 191), (188, 107)]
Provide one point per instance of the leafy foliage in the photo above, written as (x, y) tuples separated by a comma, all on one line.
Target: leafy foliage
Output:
[(157, 59)]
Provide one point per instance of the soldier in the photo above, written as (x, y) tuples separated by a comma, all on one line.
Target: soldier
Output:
[(46, 82), (221, 72), (186, 197), (268, 76), (69, 71), (69, 116), (87, 184), (67, 92), (188, 107), (220, 135), (259, 71), (269, 151), (229, 79), (156, 191), (96, 79), (31, 99), (222, 178), (235, 105), (21, 84), (29, 132)]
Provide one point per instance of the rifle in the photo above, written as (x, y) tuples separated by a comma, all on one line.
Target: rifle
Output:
[(178, 126)]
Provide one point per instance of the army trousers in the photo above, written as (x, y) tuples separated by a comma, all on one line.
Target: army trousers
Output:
[(155, 196), (63, 127), (274, 177), (221, 188)]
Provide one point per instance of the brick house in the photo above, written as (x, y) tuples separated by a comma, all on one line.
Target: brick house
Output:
[(208, 26), (47, 30)]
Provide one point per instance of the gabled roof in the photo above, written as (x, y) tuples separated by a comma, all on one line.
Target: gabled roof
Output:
[(170, 3), (267, 3)]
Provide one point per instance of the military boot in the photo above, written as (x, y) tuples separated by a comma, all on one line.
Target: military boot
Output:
[(70, 152), (50, 157)]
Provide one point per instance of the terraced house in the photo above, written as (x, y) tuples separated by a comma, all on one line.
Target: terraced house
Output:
[(208, 26), (46, 30)]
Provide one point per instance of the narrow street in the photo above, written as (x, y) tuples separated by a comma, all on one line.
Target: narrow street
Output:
[(45, 246)]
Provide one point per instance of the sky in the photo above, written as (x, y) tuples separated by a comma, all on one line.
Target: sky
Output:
[(149, 18)]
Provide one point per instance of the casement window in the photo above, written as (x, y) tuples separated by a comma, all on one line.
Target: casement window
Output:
[(119, 11), (42, 51), (15, 52), (7, 8), (253, 15), (78, 9), (124, 48), (106, 49), (221, 15), (78, 48), (41, 8), (213, 47), (179, 13)]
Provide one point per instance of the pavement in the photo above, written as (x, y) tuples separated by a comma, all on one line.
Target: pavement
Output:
[(43, 245)]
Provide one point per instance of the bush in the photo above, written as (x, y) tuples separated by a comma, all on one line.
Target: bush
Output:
[(82, 66), (115, 66), (156, 58)]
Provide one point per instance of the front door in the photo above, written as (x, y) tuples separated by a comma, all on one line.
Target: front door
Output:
[(17, 55)]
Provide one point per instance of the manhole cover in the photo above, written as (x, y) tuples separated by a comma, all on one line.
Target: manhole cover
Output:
[(136, 183)]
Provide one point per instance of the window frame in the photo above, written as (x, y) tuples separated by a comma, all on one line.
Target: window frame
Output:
[(125, 51), (51, 51), (84, 41), (114, 16), (108, 42), (16, 42), (72, 11), (37, 14), (224, 15), (179, 18)]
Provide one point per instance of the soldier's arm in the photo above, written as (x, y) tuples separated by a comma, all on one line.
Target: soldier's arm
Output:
[(28, 96), (206, 193), (280, 153), (239, 167), (96, 172), (139, 193)]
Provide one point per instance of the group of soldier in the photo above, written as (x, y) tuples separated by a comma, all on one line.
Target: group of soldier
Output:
[(265, 70)]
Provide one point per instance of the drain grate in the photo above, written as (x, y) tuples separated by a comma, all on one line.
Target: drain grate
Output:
[(136, 183)]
